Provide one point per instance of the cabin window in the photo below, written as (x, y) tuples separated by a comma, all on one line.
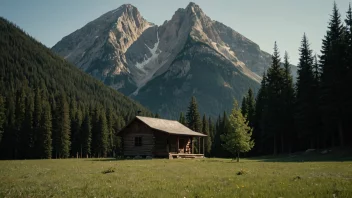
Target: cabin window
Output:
[(138, 141)]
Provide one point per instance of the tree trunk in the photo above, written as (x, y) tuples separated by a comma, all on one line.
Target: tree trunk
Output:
[(282, 143), (238, 156), (275, 149), (341, 133)]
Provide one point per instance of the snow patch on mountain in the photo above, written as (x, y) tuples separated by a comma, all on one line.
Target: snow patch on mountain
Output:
[(154, 56)]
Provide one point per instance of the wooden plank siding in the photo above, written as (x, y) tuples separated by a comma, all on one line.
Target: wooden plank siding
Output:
[(138, 129)]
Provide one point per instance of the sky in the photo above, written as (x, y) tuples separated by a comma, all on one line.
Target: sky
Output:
[(262, 21)]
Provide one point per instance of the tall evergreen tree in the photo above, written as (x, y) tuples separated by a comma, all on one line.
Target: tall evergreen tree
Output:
[(76, 124), (182, 119), (207, 140), (193, 117), (333, 77), (348, 82), (86, 132), (62, 128), (244, 106), (305, 102), (288, 134), (260, 119), (45, 140), (2, 117), (27, 133), (37, 115), (275, 113), (19, 118)]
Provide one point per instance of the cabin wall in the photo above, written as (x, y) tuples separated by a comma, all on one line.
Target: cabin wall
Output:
[(161, 148), (138, 129)]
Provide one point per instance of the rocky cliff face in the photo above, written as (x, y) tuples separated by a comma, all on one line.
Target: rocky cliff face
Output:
[(163, 66)]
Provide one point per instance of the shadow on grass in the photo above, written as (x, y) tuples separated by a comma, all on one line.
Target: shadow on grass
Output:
[(333, 155)]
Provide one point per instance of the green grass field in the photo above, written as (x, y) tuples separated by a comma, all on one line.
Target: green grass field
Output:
[(174, 178)]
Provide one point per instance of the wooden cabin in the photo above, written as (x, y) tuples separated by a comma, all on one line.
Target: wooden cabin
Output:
[(159, 138)]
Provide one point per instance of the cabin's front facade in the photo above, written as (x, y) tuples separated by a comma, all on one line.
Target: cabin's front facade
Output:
[(154, 137)]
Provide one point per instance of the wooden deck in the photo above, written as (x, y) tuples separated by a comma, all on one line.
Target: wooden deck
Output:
[(185, 155)]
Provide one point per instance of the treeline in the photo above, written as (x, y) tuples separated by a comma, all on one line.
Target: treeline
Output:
[(49, 108), (315, 112), (286, 117)]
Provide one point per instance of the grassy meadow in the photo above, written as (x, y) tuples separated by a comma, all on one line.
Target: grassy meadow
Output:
[(175, 178)]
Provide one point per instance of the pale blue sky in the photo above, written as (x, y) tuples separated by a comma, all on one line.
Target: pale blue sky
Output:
[(262, 21)]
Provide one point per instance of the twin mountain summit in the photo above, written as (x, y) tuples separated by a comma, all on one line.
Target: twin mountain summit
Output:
[(162, 67)]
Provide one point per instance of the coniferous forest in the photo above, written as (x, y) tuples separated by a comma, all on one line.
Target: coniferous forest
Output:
[(51, 109), (313, 113)]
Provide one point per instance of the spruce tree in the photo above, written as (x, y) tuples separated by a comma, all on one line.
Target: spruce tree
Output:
[(76, 123), (333, 78), (86, 135), (45, 140), (2, 117), (275, 113), (250, 107), (289, 101), (193, 117), (207, 140), (238, 138), (103, 135), (37, 115), (182, 119), (19, 118), (348, 82), (27, 133), (305, 101), (62, 129), (244, 106), (260, 118)]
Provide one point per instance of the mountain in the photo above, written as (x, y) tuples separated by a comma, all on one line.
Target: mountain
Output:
[(163, 66), (29, 65)]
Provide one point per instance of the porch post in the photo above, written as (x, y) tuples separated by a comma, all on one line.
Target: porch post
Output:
[(192, 150), (203, 146), (199, 145), (178, 144)]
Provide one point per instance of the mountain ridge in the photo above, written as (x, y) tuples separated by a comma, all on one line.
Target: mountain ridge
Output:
[(136, 51)]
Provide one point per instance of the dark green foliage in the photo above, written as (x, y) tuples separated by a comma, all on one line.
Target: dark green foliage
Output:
[(207, 140), (193, 117), (275, 102), (45, 132), (2, 117), (182, 119), (62, 129), (86, 132), (37, 86), (333, 80)]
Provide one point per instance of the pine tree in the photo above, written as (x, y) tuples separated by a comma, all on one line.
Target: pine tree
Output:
[(332, 79), (76, 124), (37, 115), (207, 140), (19, 118), (289, 101), (2, 117), (45, 140), (275, 113), (193, 117), (27, 133), (348, 82), (250, 107), (182, 119), (260, 119), (103, 136), (86, 131), (238, 138), (62, 129), (305, 101), (244, 106), (211, 129)]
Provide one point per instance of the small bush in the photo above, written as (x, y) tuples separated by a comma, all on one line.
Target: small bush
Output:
[(109, 170)]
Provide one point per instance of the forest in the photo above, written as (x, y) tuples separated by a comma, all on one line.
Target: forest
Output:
[(51, 109), (286, 117)]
